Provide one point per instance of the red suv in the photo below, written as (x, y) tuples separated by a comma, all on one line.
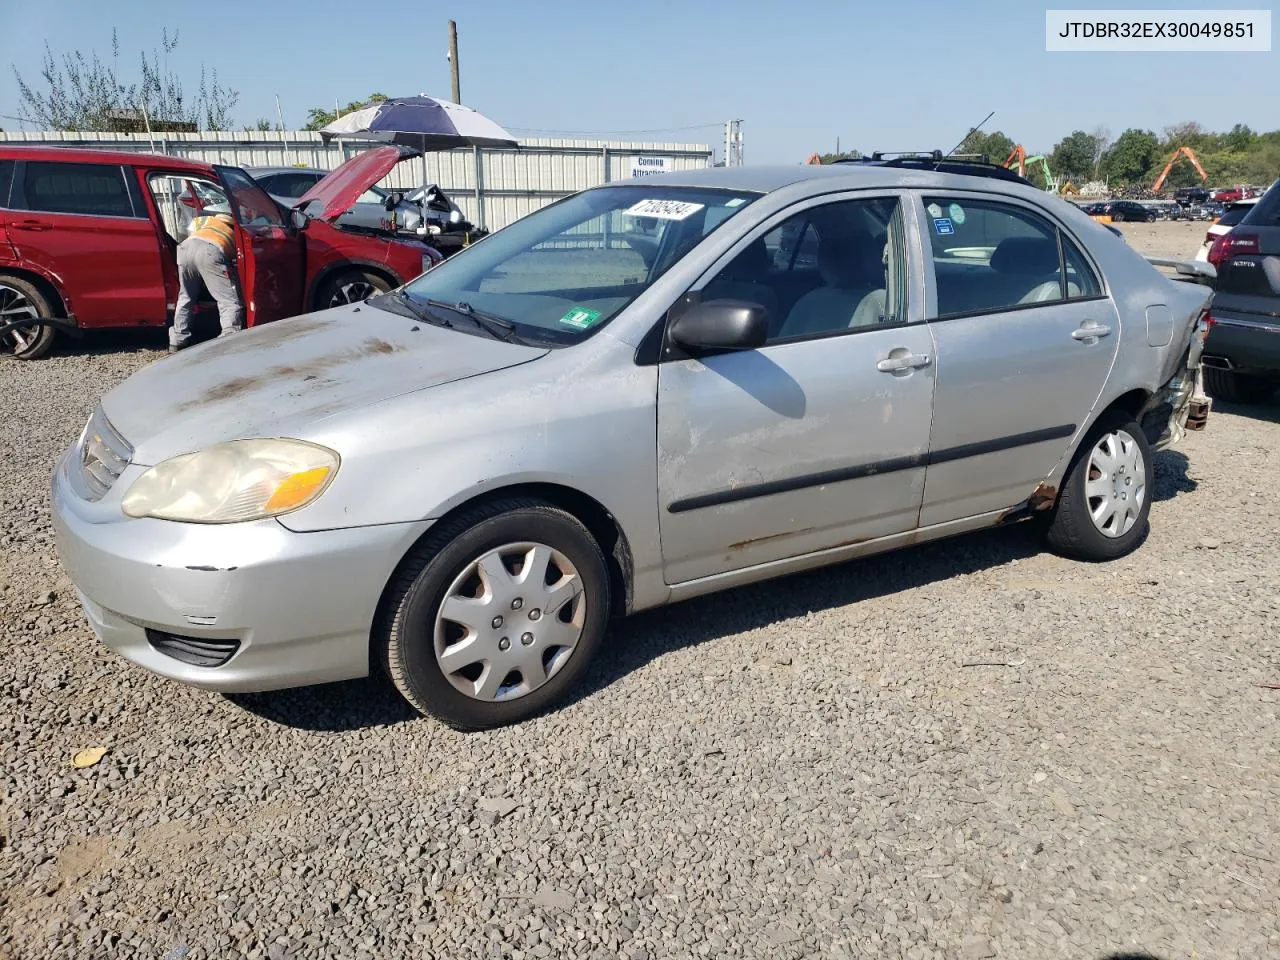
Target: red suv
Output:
[(89, 238)]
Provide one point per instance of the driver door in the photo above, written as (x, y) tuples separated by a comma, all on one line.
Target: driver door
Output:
[(271, 254), (819, 438)]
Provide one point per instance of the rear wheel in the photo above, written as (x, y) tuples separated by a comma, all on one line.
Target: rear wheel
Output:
[(350, 286), (1151, 218), (1117, 217), (1102, 511), (498, 615), (1237, 387), (21, 300)]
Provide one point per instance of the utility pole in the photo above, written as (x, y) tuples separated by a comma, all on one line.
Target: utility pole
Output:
[(453, 60), (733, 143)]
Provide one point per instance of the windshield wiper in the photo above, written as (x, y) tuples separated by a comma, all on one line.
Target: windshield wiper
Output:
[(414, 309), (493, 325)]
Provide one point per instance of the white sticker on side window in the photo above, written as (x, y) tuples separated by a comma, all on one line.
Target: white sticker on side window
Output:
[(664, 209)]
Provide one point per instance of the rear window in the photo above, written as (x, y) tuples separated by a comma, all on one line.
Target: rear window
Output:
[(1234, 214), (89, 189)]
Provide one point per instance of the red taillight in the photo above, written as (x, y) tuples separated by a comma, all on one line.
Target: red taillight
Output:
[(1233, 244)]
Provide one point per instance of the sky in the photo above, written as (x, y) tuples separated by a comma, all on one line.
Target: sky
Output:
[(896, 75)]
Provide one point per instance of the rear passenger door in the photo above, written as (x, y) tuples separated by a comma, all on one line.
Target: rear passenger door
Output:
[(87, 225), (1025, 337)]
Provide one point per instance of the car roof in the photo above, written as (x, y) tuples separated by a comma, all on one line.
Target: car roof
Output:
[(825, 178), (266, 171), (12, 151)]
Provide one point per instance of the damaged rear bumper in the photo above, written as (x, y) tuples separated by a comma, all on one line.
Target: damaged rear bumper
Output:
[(1181, 405)]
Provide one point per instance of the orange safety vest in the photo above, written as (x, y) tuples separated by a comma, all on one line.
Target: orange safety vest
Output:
[(216, 230)]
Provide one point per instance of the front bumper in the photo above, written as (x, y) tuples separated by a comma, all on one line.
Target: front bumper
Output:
[(300, 606), (1248, 343)]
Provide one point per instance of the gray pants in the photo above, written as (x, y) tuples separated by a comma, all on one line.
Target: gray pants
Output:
[(201, 267)]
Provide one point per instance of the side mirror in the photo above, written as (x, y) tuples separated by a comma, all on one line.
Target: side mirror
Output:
[(298, 219), (722, 325), (393, 200)]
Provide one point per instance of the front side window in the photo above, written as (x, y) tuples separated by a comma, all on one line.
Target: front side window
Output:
[(88, 189), (566, 270), (990, 256), (835, 268), (250, 204)]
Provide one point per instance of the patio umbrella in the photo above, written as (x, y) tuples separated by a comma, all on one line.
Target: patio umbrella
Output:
[(422, 122)]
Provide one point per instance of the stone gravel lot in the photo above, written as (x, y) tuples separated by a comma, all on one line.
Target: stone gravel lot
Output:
[(971, 749)]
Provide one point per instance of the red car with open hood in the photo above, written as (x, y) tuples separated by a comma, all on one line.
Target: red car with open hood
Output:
[(89, 238)]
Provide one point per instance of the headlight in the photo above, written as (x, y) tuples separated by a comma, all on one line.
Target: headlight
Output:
[(233, 482)]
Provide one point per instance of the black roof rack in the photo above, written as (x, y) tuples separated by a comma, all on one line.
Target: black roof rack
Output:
[(966, 164)]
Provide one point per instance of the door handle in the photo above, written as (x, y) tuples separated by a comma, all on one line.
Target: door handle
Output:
[(904, 361), (1090, 332), (31, 225)]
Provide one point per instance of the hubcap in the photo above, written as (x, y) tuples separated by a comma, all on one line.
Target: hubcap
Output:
[(510, 621), (1116, 484), (354, 291), (14, 305)]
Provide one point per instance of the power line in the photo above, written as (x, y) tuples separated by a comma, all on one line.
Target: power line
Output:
[(599, 133)]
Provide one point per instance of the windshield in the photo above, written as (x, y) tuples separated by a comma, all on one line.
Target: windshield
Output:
[(566, 270)]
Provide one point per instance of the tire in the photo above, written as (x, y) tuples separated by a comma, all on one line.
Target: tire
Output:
[(349, 286), (19, 298), (1237, 387), (1072, 530), (1151, 218), (511, 637), (1117, 217)]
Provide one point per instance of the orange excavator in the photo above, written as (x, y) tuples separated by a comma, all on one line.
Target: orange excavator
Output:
[(1180, 152)]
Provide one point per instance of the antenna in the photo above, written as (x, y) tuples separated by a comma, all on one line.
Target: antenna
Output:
[(972, 131)]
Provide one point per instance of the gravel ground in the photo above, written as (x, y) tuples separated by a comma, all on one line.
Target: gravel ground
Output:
[(971, 749)]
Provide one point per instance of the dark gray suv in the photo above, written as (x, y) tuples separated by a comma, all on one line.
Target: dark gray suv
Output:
[(1242, 354)]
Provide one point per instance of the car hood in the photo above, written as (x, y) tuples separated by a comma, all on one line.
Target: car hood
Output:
[(335, 194), (281, 378)]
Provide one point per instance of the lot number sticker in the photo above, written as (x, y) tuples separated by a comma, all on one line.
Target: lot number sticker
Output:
[(664, 209), (943, 226), (580, 318)]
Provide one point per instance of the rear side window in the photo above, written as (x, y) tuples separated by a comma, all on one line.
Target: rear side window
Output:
[(6, 178), (89, 189), (990, 256)]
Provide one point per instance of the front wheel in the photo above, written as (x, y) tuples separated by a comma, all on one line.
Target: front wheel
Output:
[(1106, 497), (1117, 217), (1151, 218), (497, 616), (350, 286)]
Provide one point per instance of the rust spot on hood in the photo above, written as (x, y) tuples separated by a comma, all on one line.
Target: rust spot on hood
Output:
[(304, 372)]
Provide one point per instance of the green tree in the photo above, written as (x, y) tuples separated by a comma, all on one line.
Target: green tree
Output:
[(262, 124), (842, 155), (79, 91), (995, 145), (1131, 157), (1239, 138), (319, 117), (1074, 157)]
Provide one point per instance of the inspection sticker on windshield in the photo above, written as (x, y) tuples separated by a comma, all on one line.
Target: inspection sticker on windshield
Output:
[(943, 226), (580, 318), (664, 209)]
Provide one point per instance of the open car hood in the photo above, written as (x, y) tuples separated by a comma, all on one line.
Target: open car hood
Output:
[(335, 194)]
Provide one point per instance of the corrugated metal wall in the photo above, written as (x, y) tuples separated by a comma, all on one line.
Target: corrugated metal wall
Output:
[(511, 183)]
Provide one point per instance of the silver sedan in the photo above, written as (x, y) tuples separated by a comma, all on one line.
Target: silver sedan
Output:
[(642, 393)]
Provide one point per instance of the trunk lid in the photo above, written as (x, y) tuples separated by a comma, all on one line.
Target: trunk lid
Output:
[(280, 379), (335, 194)]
